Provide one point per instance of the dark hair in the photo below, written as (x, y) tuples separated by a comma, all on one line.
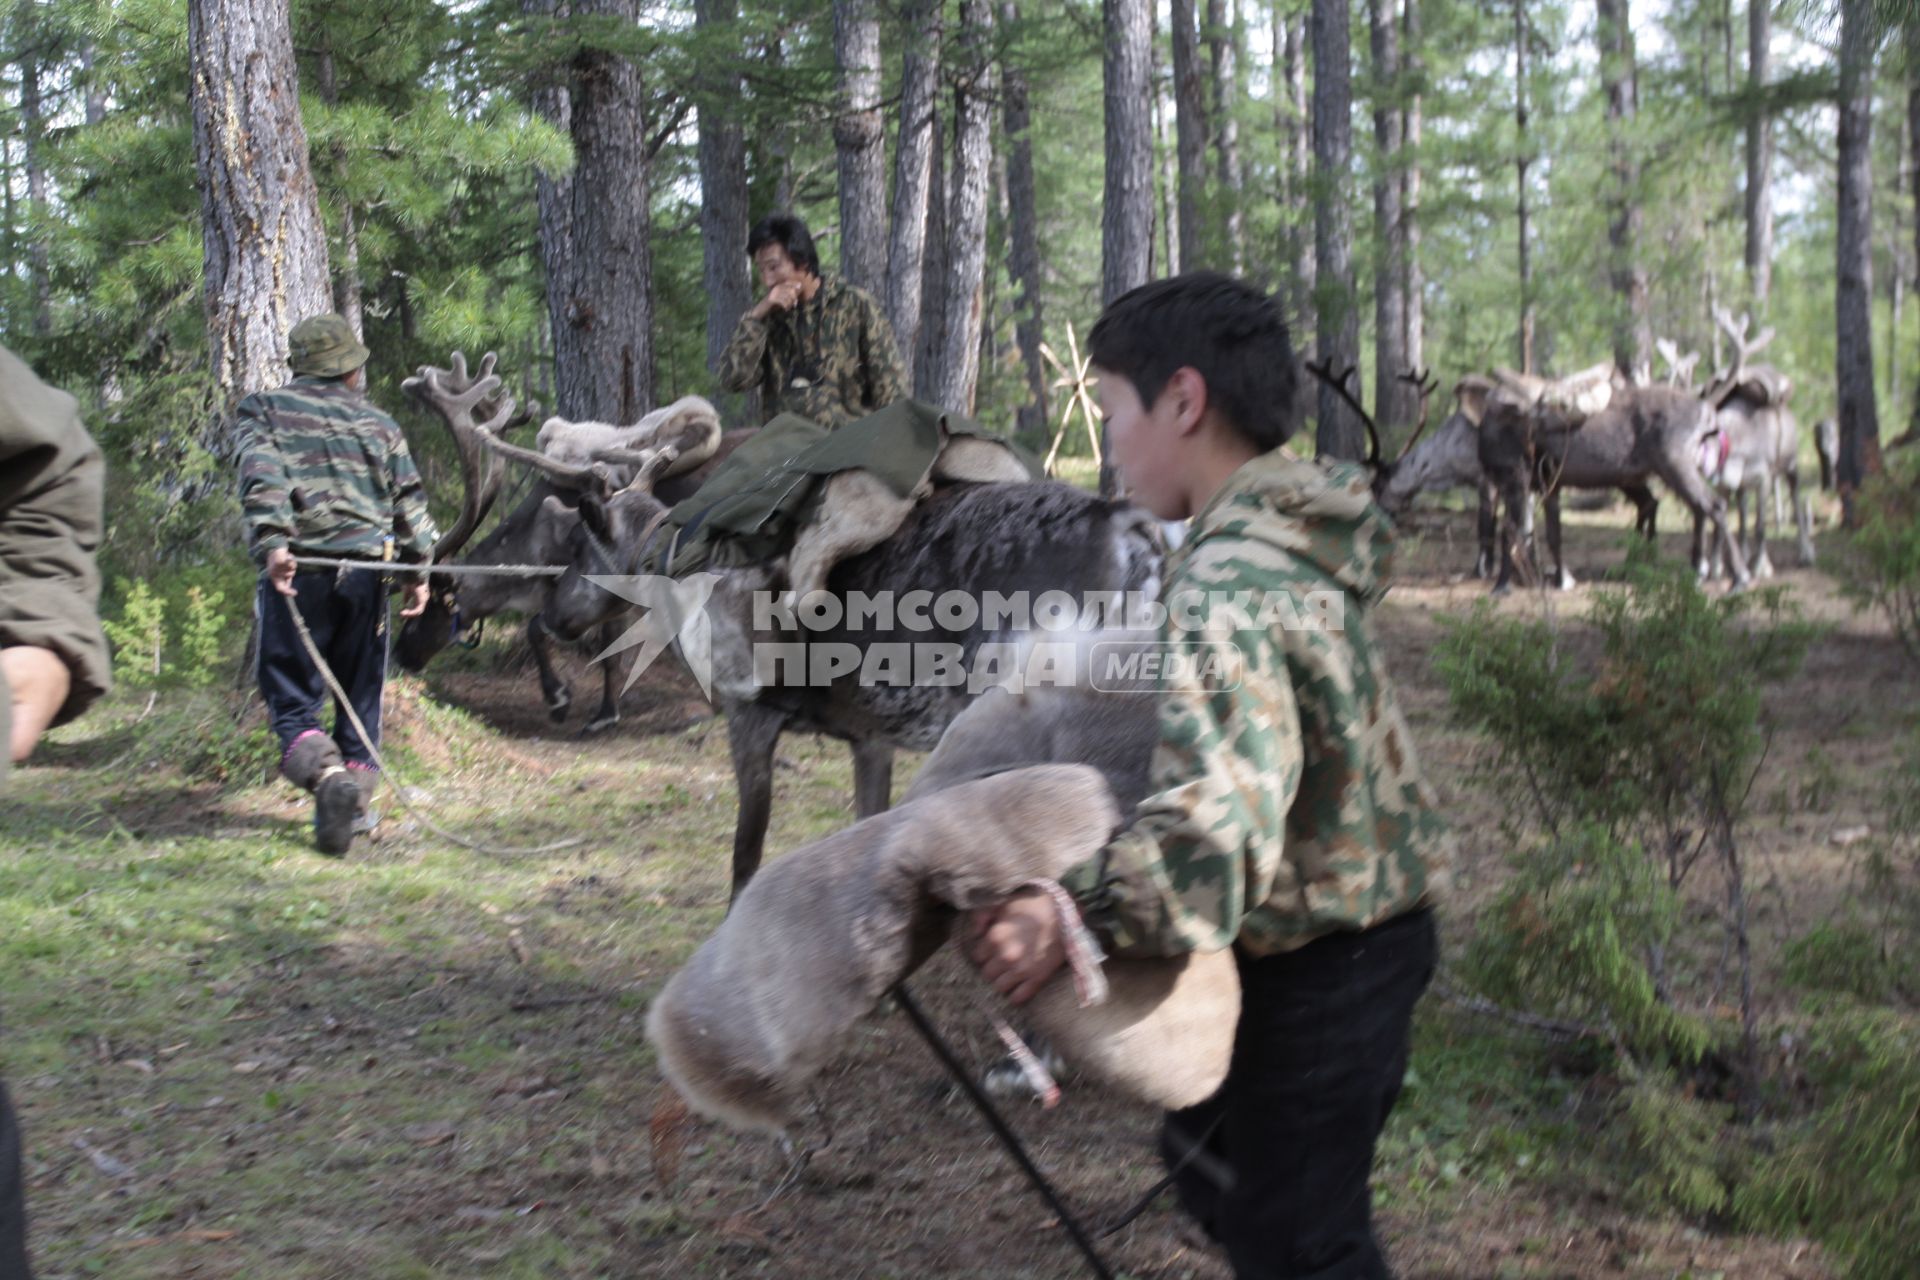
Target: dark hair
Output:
[(1228, 331), (790, 234)]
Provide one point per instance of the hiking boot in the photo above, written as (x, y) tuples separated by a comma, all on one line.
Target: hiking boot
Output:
[(336, 802)]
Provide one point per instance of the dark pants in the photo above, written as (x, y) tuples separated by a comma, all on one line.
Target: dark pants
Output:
[(13, 1207), (1281, 1180), (346, 610)]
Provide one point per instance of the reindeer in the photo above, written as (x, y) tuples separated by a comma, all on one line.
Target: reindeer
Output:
[(974, 538), (574, 458)]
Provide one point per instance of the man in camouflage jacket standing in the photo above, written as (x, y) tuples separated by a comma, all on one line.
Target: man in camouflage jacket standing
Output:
[(325, 473), (815, 346)]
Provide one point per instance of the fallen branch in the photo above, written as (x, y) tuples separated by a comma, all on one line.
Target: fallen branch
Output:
[(1553, 1028)]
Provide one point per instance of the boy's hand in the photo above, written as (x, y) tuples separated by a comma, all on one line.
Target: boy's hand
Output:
[(414, 598), (280, 570), (1017, 945)]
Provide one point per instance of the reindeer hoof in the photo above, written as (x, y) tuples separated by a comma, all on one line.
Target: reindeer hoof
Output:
[(1763, 568), (1501, 588), (557, 707), (599, 723), (1567, 582)]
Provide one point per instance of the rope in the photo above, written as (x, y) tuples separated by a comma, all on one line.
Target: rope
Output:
[(386, 774), (395, 566)]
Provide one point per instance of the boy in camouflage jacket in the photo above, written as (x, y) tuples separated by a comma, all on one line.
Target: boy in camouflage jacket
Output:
[(325, 473), (1288, 818)]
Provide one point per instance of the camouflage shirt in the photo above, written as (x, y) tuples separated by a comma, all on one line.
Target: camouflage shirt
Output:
[(324, 472), (1291, 805), (831, 360)]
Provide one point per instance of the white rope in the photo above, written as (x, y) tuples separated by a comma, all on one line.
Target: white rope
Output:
[(396, 566), (346, 705)]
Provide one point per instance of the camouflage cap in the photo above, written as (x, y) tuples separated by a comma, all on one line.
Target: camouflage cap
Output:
[(324, 345)]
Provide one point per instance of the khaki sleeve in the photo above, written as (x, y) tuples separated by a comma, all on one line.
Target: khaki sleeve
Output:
[(886, 374), (740, 363)]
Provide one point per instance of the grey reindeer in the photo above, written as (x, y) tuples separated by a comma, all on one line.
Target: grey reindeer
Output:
[(589, 458), (974, 538)]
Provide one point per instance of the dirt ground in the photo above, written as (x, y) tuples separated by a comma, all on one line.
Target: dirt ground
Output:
[(471, 1095)]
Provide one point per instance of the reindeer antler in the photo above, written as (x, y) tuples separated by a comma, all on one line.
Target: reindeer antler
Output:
[(1322, 371), (1743, 350), (1424, 382), (457, 396)]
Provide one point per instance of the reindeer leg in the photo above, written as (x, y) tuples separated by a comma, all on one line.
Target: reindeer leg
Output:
[(552, 687), (752, 732), (613, 678), (1759, 561), (872, 778), (1561, 577), (1489, 527), (1803, 517), (1515, 540), (1685, 480)]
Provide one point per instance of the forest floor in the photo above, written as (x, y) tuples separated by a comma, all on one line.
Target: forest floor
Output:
[(235, 1058)]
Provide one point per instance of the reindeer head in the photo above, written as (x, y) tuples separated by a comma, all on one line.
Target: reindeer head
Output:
[(1383, 470)]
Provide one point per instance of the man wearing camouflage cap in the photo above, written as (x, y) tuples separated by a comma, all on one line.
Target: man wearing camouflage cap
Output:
[(324, 473)]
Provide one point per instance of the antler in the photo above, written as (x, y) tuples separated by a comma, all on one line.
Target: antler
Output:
[(457, 396), (1743, 350), (1679, 367), (1322, 371), (1423, 381)]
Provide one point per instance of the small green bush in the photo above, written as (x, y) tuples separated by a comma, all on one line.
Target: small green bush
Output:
[(1881, 567)]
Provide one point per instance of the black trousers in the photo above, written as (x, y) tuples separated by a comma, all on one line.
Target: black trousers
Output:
[(346, 610), (13, 1207), (1286, 1147)]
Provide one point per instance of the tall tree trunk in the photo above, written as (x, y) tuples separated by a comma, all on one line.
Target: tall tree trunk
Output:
[(1392, 398), (859, 144), (1522, 161), (932, 326), (958, 368), (265, 250), (1162, 259), (346, 267), (603, 330), (916, 142), (1223, 43), (33, 136), (1190, 118), (1913, 156), (1126, 211), (1299, 167), (1853, 301), (1759, 159), (723, 190), (1023, 225), (1337, 324), (553, 202), (1414, 67), (1633, 330)]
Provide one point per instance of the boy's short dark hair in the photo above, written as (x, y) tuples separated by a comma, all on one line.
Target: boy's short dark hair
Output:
[(790, 234), (1227, 330)]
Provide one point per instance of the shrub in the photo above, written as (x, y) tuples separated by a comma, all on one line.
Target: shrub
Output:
[(1881, 567)]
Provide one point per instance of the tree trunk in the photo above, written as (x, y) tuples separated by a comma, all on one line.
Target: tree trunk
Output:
[(1913, 144), (932, 326), (603, 330), (1416, 282), (33, 136), (1298, 169), (1759, 160), (346, 267), (724, 208), (859, 144), (916, 142), (1853, 302), (1167, 144), (96, 99), (1023, 225), (1337, 324), (1223, 42), (958, 367), (1190, 116), (1522, 161), (1126, 211), (1392, 398), (265, 250), (553, 201), (1633, 330)]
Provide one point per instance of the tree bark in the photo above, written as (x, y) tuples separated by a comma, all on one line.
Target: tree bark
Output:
[(33, 137), (1633, 329), (603, 318), (346, 268), (1913, 172), (1522, 161), (1126, 211), (1414, 67), (958, 367), (1023, 225), (1190, 118), (1223, 42), (1853, 301), (1166, 242), (724, 207), (859, 144), (553, 202), (1337, 324), (1299, 167), (932, 325), (1759, 199), (264, 247), (1392, 398), (916, 141)]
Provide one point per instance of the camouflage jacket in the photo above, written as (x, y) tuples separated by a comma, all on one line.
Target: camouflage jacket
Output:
[(1291, 805), (830, 360), (52, 483), (324, 472)]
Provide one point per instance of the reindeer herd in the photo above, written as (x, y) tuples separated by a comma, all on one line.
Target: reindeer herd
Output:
[(593, 495)]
